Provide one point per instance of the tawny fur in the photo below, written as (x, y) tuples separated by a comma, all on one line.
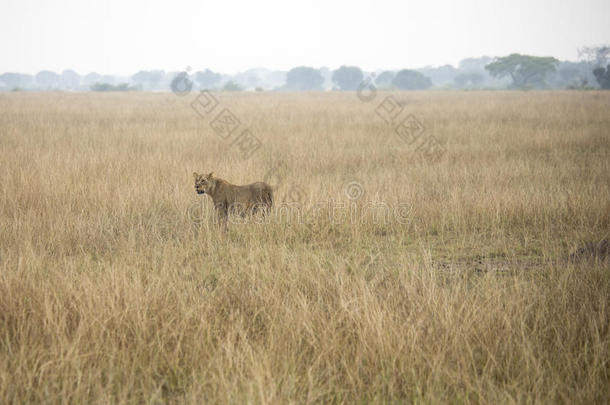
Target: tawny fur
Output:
[(230, 198)]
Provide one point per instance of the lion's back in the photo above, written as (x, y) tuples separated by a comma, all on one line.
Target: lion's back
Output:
[(258, 193)]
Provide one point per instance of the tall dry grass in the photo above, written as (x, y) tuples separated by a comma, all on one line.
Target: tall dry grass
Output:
[(109, 293)]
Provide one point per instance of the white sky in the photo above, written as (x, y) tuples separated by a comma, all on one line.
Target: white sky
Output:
[(123, 36)]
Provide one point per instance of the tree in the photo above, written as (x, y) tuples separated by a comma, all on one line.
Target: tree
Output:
[(411, 80), (207, 79), (91, 78), (181, 83), (440, 76), (603, 77), (69, 79), (598, 56), (47, 79), (572, 75), (525, 71), (15, 80), (148, 79), (474, 64), (384, 80), (10, 80), (347, 77), (304, 78), (253, 78), (109, 79), (468, 80)]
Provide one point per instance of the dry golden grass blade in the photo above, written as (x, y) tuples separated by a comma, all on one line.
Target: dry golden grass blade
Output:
[(487, 282)]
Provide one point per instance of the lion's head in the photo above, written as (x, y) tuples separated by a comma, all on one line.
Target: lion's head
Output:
[(204, 183)]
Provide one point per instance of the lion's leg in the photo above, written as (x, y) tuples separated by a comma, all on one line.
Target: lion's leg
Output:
[(222, 214), (257, 208), (268, 203)]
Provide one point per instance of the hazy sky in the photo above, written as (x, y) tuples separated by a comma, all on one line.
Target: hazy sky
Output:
[(123, 36)]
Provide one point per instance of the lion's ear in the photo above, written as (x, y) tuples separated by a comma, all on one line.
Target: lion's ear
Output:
[(195, 175), (210, 175)]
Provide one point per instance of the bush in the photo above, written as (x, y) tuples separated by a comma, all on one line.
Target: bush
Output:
[(110, 87), (231, 86)]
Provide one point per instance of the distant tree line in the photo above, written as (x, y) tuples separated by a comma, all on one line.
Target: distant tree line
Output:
[(514, 71)]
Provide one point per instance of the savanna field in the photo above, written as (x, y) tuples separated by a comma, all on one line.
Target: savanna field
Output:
[(488, 281)]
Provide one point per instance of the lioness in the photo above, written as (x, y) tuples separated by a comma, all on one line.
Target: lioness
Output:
[(227, 197)]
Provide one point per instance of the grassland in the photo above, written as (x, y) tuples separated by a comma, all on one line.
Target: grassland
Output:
[(110, 292)]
